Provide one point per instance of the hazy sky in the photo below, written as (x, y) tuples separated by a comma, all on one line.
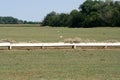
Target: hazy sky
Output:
[(35, 10)]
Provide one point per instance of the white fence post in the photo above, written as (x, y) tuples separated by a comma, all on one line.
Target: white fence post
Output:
[(10, 47), (74, 46)]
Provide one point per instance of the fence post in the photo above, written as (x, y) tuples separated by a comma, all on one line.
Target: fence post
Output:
[(10, 47), (106, 47), (42, 47), (74, 47)]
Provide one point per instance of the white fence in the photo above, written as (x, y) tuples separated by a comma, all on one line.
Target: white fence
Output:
[(73, 45)]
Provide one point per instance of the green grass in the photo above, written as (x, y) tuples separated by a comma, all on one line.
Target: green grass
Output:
[(25, 33), (60, 65)]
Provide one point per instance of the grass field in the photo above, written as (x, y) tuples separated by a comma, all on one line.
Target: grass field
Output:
[(60, 65), (25, 33), (46, 64)]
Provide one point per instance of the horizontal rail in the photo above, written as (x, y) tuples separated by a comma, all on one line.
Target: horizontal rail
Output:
[(4, 44), (98, 44), (74, 45)]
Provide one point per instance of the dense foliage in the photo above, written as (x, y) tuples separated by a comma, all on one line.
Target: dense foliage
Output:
[(12, 20), (92, 13)]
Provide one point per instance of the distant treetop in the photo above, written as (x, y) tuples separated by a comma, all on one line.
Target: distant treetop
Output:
[(92, 13)]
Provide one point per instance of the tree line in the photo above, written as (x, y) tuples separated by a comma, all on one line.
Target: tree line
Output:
[(12, 20), (92, 13)]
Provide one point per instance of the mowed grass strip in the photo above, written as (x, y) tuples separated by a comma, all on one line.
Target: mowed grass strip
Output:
[(26, 33), (60, 65)]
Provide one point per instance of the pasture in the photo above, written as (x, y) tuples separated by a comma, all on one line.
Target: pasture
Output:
[(58, 64), (26, 33)]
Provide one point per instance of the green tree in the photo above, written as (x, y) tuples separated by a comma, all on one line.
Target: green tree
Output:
[(49, 19), (92, 13), (76, 18)]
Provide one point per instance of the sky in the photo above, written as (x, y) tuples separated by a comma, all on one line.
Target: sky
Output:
[(36, 10)]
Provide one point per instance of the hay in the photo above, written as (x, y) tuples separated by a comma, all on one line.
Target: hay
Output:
[(34, 41), (8, 40), (78, 40), (111, 41)]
